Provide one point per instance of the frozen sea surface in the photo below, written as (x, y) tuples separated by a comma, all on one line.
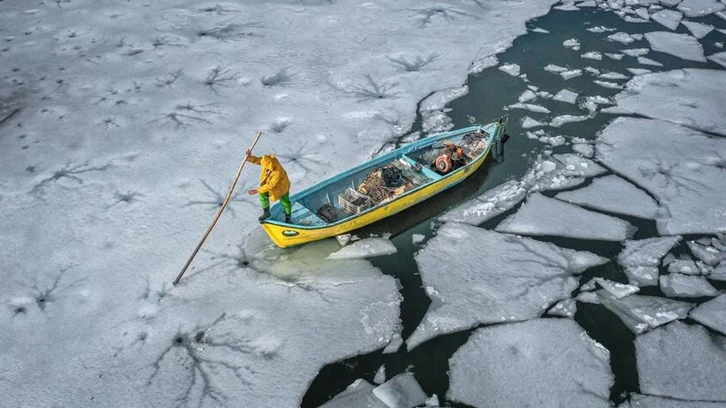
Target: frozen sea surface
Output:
[(607, 193), (539, 363), (712, 314)]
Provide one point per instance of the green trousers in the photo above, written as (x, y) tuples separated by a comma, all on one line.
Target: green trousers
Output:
[(284, 201)]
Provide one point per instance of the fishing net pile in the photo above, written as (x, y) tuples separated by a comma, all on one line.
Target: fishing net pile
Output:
[(385, 183)]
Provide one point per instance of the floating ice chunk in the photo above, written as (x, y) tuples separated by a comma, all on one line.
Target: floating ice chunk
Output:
[(600, 29), (677, 285), (365, 248), (553, 141), (670, 3), (613, 75), (641, 259), (511, 69), (433, 401), (621, 37), (651, 401), (560, 171), (564, 308), (593, 71), (528, 123), (490, 204), (698, 30), (554, 68), (648, 61), (558, 121), (708, 254), (639, 71), (565, 95), (613, 194), (401, 391), (587, 3), (616, 57), (584, 149), (541, 216), (592, 103), (573, 73), (718, 44), (682, 362), (567, 7), (719, 58), (588, 297), (673, 177), (595, 55), (698, 8), (640, 313), (540, 30), (518, 281), (610, 85), (358, 394), (684, 266), (395, 344), (530, 107), (616, 289), (537, 363), (380, 376), (630, 19), (417, 238), (681, 45), (668, 18), (635, 52), (711, 314), (527, 96)]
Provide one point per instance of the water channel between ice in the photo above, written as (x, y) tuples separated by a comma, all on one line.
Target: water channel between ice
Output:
[(489, 92)]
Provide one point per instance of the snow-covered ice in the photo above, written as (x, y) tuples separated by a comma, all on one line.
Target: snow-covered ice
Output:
[(554, 68), (681, 45), (573, 73), (622, 37), (527, 96), (517, 281), (672, 176), (538, 363), (616, 289), (699, 8), (490, 204), (679, 285), (542, 216), (640, 313), (358, 394), (594, 55), (608, 84), (572, 43), (614, 56), (511, 69), (564, 308), (711, 314), (635, 52), (613, 75), (682, 362), (609, 193), (528, 123), (560, 120), (365, 248), (560, 171), (639, 71), (698, 30), (641, 258)]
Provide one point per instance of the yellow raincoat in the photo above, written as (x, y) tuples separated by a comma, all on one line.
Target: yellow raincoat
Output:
[(273, 178)]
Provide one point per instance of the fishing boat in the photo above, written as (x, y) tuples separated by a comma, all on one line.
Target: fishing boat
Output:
[(385, 185)]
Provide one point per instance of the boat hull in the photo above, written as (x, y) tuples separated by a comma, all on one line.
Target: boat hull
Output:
[(285, 235)]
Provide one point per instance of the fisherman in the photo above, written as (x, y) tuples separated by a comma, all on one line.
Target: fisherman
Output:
[(274, 185)]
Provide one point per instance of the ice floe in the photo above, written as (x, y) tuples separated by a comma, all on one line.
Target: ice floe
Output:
[(564, 308), (668, 18), (616, 289), (560, 120), (365, 248), (572, 43), (640, 313), (600, 29), (682, 362), (554, 68), (622, 37), (540, 216), (699, 30), (673, 176), (608, 194), (490, 204), (528, 123), (527, 96), (518, 281), (719, 58), (608, 84), (560, 171), (614, 56), (681, 45), (358, 394), (530, 107), (679, 285), (635, 52), (537, 363), (565, 95), (401, 391), (709, 254), (641, 258), (613, 75), (573, 73), (639, 71), (594, 55), (648, 61), (699, 8), (711, 314), (511, 69)]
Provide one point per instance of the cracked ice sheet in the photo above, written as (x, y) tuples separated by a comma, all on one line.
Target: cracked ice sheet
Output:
[(668, 18), (650, 401), (539, 363), (640, 313), (114, 100), (641, 258), (609, 193), (685, 286), (365, 248), (543, 216), (711, 314), (490, 204), (518, 281), (699, 8), (683, 362), (560, 171), (687, 182), (681, 45)]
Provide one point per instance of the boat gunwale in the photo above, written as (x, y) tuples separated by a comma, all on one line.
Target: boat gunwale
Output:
[(387, 157)]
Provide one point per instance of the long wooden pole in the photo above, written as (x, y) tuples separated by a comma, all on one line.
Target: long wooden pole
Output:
[(224, 205)]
